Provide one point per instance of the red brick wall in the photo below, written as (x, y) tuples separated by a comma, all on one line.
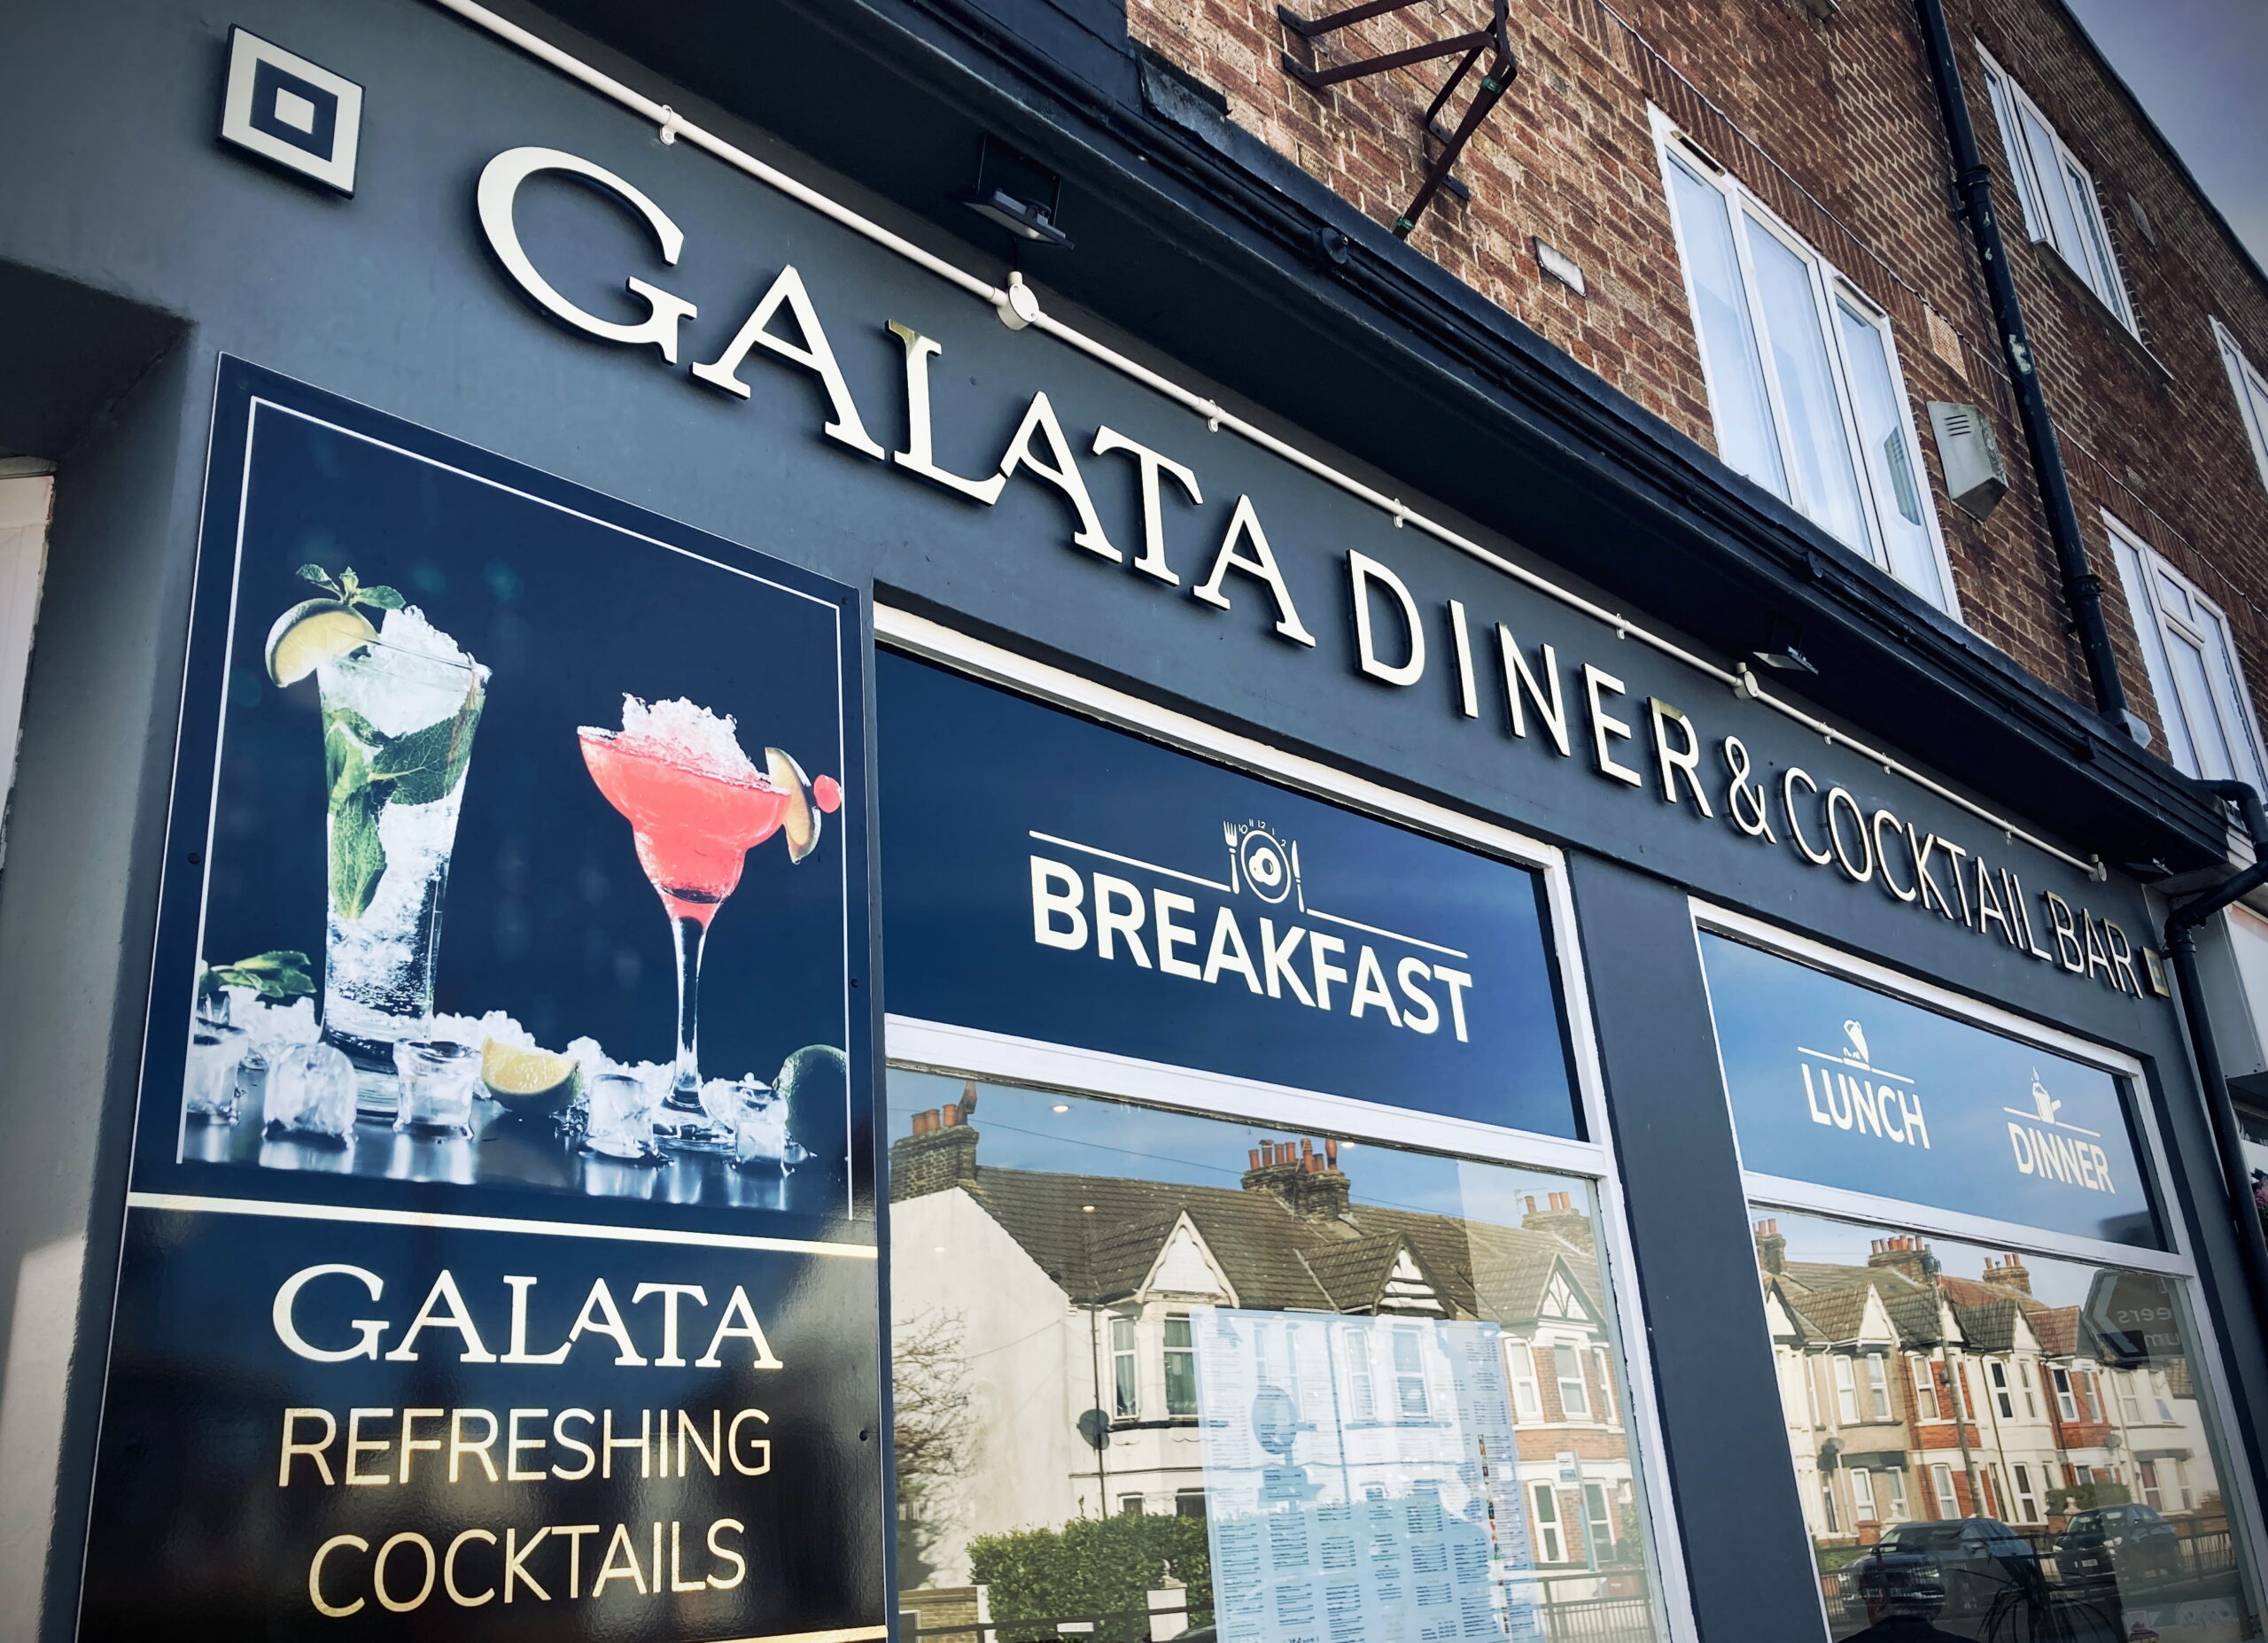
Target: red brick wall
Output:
[(1835, 125)]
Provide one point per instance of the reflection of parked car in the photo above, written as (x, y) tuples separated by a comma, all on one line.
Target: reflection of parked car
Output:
[(2125, 1543), (1978, 1562)]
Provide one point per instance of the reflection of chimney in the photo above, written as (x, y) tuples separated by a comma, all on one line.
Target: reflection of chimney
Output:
[(1309, 1183), (1771, 1246), (1559, 1215), (2007, 1274), (1902, 1252), (939, 1153)]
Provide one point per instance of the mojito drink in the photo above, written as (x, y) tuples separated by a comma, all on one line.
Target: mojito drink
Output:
[(399, 713)]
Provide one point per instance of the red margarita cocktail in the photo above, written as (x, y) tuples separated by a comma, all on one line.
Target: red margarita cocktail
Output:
[(696, 806)]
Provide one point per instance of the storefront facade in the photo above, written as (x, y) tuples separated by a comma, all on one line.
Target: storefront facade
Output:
[(1312, 989)]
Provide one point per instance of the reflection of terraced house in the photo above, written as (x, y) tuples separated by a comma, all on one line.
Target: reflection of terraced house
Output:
[(1076, 1299), (1910, 1393)]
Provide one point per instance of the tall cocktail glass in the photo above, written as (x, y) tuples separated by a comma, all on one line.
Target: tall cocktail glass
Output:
[(695, 807), (397, 732)]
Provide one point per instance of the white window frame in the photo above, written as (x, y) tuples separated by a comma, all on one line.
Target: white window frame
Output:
[(1361, 1385), (1167, 1352), (1926, 1395), (2176, 1262), (2096, 263), (1125, 1369), (1550, 1532), (1895, 1478), (2251, 391), (1863, 1509), (1829, 286), (25, 502), (2027, 1497), (972, 1053), (1527, 1399), (2158, 625), (1877, 1387), (2067, 1396), (1944, 1494), (1996, 1373), (1580, 1408), (1846, 1391)]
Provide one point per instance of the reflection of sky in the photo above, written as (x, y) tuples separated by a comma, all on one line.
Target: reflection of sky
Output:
[(1809, 1237), (1022, 1129)]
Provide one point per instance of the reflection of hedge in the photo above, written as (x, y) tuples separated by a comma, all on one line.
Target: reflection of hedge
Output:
[(1092, 1565)]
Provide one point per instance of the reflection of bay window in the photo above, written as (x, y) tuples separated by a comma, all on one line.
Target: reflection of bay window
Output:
[(2027, 1498), (1948, 1498), (1846, 1392), (1410, 1374), (1361, 1395), (1181, 1367), (1926, 1405), (1598, 1522), (1877, 1388), (1550, 1539), (2066, 1401), (1526, 1400), (1574, 1397), (2003, 1396), (2152, 1496), (1894, 1488), (1828, 1517), (2130, 1407), (1124, 1370), (1862, 1495), (1604, 1363)]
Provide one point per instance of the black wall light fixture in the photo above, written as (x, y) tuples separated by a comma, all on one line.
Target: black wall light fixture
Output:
[(1018, 193), (1441, 148), (1782, 646)]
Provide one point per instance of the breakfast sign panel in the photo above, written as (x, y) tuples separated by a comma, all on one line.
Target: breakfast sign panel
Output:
[(499, 1249), (1052, 879)]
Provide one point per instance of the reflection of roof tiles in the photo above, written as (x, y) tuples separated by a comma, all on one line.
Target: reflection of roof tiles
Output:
[(1833, 1316), (1989, 1326), (2058, 1330), (1274, 1260)]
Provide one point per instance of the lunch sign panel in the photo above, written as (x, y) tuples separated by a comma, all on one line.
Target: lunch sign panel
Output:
[(500, 1254), (1049, 878), (1839, 1085)]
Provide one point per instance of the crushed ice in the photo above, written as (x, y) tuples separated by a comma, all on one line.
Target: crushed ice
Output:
[(688, 734)]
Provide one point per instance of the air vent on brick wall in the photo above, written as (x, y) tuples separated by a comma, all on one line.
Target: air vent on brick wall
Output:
[(1440, 148)]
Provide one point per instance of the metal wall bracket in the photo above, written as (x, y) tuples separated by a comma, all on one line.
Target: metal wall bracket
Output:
[(1441, 148)]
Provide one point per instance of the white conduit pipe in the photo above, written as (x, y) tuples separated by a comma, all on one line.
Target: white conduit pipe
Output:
[(1022, 309)]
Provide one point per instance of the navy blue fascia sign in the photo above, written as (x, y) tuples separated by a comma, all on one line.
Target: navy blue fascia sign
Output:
[(1841, 1086), (1048, 877)]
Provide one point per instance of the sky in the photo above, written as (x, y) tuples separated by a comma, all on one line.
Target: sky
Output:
[(2197, 67)]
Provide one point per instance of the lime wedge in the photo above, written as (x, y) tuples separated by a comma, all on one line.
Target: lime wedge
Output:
[(313, 631), (801, 820), (522, 1079)]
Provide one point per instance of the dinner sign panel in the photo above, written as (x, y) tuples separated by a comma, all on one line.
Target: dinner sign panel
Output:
[(1839, 1085)]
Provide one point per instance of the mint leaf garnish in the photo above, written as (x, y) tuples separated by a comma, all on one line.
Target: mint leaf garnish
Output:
[(358, 859), (278, 975)]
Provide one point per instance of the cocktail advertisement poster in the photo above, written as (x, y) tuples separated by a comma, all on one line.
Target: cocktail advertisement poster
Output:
[(524, 858), (500, 1253)]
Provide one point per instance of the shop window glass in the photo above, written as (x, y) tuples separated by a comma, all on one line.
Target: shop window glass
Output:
[(2022, 1555), (1341, 1334), (2028, 1518)]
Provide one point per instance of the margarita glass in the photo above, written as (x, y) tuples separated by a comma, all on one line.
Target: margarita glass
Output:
[(695, 806)]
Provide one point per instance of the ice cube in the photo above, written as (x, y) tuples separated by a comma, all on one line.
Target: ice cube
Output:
[(311, 1092), (621, 1123), (216, 1057), (688, 734), (760, 1128)]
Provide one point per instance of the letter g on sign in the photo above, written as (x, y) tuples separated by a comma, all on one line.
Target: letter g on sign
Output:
[(287, 1329), (499, 191)]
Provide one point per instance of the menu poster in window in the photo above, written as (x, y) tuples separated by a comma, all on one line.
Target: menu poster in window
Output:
[(1839, 1085), (1361, 1481)]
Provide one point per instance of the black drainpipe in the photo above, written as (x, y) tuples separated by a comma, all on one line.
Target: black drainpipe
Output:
[(2181, 945), (2082, 588)]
